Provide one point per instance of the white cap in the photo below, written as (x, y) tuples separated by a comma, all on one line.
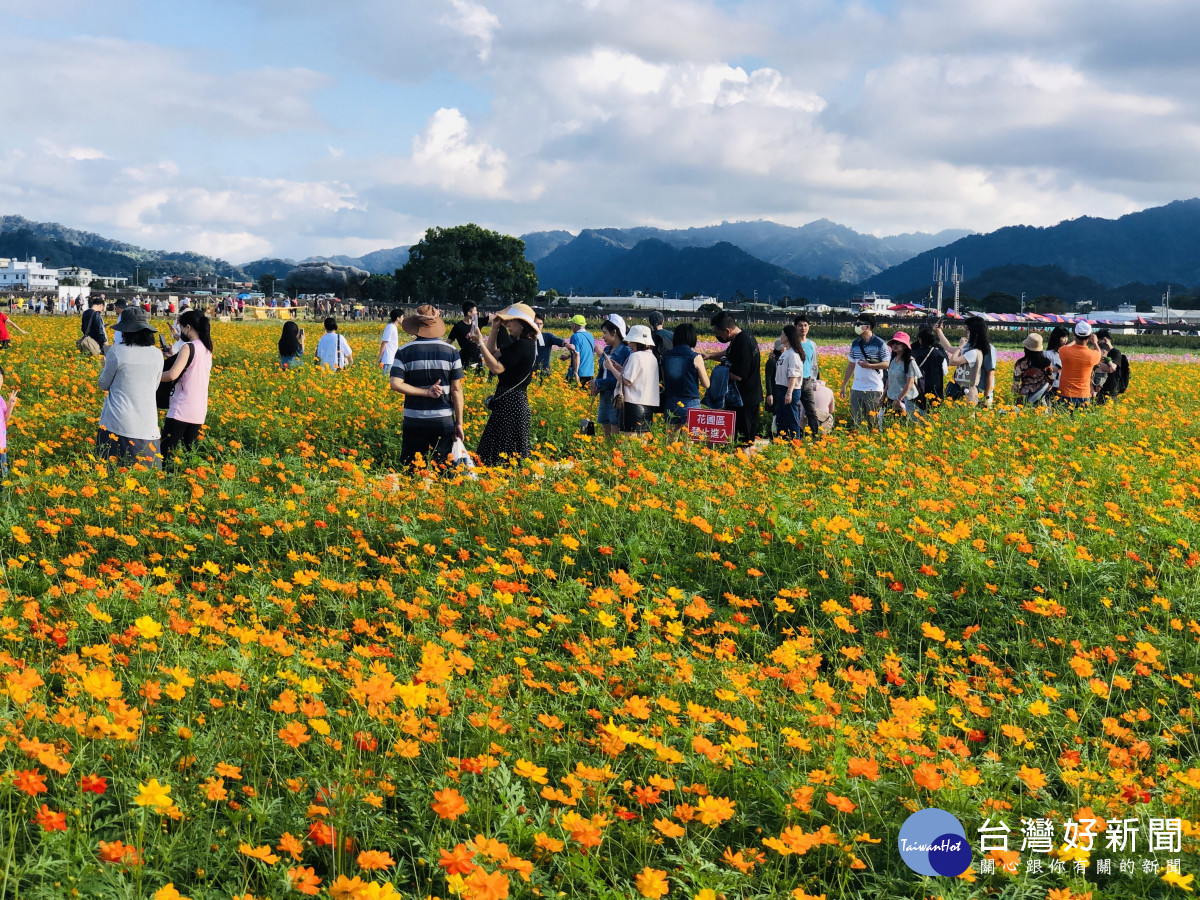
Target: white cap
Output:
[(640, 334), (618, 321), (1082, 329)]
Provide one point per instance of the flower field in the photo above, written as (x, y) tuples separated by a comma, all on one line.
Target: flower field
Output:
[(621, 671)]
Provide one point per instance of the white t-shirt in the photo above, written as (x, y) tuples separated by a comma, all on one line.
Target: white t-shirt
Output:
[(1055, 365), (876, 352), (330, 347), (970, 370), (788, 367), (641, 374), (391, 343)]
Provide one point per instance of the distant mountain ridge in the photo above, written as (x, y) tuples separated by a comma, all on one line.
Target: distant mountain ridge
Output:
[(60, 247), (820, 249), (1155, 245), (595, 263)]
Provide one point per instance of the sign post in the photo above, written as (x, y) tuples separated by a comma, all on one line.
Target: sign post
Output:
[(716, 426)]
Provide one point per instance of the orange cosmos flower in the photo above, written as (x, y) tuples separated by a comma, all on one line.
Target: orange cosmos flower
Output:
[(652, 883), (458, 861), (926, 775), (448, 804), (841, 804), (30, 781), (862, 768), (482, 885), (262, 853), (291, 845), (50, 820), (304, 880), (375, 859), (294, 734), (715, 810)]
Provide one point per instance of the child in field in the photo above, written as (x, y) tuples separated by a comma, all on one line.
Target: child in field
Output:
[(5, 321), (6, 414)]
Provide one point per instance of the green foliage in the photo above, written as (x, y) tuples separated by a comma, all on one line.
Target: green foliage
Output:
[(466, 262), (380, 288)]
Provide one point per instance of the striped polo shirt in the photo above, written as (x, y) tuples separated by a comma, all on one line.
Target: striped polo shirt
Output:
[(422, 362)]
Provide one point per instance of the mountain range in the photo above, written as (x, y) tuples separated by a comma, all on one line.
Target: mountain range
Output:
[(1133, 257), (60, 247), (820, 249), (1155, 245)]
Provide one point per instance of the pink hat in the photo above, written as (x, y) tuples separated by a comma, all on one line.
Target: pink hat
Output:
[(901, 337)]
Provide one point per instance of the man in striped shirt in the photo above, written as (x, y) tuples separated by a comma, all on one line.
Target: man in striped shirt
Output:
[(428, 372)]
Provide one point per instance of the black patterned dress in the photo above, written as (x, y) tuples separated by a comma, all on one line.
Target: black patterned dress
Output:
[(506, 435)]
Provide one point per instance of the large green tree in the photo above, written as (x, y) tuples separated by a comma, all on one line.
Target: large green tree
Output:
[(466, 262)]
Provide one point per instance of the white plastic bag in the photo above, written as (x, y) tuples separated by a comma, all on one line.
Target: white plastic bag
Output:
[(459, 455)]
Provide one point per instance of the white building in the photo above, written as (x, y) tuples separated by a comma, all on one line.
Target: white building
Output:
[(81, 275), (29, 275), (872, 303), (158, 284), (666, 304), (820, 309)]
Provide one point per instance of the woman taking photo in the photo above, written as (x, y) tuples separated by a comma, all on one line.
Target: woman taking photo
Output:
[(683, 375), (1058, 336), (639, 381), (789, 378), (291, 345), (967, 358), (604, 385), (506, 435), (190, 372), (132, 368)]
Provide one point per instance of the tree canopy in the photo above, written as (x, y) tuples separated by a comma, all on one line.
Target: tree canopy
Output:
[(466, 262)]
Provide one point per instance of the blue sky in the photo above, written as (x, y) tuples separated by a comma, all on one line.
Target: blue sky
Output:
[(265, 127)]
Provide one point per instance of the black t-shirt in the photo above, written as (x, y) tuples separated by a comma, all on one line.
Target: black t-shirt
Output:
[(468, 352), (1111, 385), (932, 362), (517, 359), (745, 362), (93, 325)]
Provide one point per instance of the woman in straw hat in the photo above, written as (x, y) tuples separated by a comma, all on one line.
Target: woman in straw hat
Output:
[(132, 369), (506, 435), (1033, 374)]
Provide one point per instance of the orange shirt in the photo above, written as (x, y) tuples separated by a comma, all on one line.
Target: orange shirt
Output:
[(1078, 360)]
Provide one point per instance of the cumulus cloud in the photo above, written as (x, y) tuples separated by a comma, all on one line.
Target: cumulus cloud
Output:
[(446, 155), (474, 21), (887, 117)]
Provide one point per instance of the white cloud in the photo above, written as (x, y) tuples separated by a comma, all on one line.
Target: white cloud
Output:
[(446, 155), (474, 21), (896, 117)]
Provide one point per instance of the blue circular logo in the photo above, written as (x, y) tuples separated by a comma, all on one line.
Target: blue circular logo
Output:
[(934, 842)]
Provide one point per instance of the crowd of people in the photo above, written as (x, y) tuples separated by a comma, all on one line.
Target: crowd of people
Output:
[(632, 374)]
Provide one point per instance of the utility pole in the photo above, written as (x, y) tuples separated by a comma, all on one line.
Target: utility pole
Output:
[(1167, 308), (956, 276), (939, 270)]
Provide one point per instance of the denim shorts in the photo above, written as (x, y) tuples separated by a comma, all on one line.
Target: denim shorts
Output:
[(676, 410), (291, 362), (606, 412)]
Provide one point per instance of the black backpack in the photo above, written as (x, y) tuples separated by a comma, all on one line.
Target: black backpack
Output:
[(1123, 374)]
